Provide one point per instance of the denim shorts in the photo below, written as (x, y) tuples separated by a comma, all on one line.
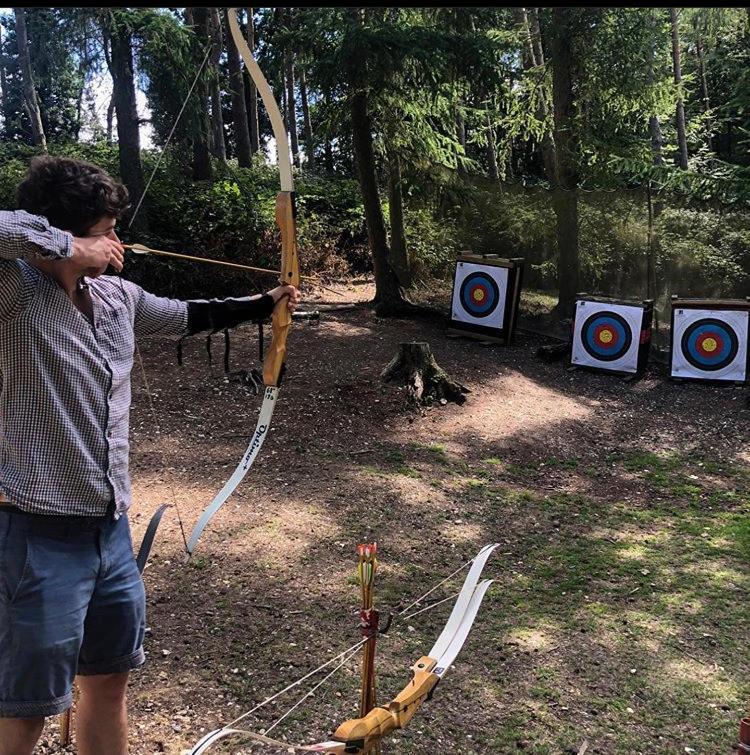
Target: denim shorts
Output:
[(71, 602)]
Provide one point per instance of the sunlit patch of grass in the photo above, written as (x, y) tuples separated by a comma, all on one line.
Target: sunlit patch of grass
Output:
[(522, 470), (525, 496), (691, 493), (498, 491), (644, 461), (372, 469), (199, 562), (719, 497), (529, 638), (407, 471), (460, 466), (689, 670), (395, 456), (492, 460), (438, 451), (554, 463), (715, 571), (655, 468), (632, 552), (571, 503), (738, 531), (537, 302)]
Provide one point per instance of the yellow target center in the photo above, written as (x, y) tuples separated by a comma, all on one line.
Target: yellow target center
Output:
[(606, 336), (478, 295), (710, 345)]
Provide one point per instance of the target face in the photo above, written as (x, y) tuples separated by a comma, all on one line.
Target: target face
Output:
[(479, 294), (710, 344), (607, 336)]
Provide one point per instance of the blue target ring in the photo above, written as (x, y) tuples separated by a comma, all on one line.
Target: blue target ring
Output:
[(606, 336), (710, 344), (479, 294)]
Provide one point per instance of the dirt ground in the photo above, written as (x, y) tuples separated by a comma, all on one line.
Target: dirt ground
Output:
[(618, 621)]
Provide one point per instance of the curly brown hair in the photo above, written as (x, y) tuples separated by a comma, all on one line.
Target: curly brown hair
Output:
[(72, 194)]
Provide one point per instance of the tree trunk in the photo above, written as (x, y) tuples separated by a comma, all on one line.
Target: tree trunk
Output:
[(532, 57), (702, 71), (328, 155), (31, 101), (528, 53), (110, 118), (128, 123), (219, 148), (491, 155), (654, 127), (291, 106), (309, 144), (327, 146), (239, 109), (399, 255), (657, 140), (388, 292), (389, 295), (3, 66), (657, 157), (565, 198), (79, 98), (461, 137), (251, 89), (680, 109), (201, 153), (703, 79), (536, 36)]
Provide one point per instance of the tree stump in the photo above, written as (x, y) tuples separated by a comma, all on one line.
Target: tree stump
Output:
[(415, 367)]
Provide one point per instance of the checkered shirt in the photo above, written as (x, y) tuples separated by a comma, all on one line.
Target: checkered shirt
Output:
[(65, 382)]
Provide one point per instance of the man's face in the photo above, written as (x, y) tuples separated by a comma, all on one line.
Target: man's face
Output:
[(104, 227)]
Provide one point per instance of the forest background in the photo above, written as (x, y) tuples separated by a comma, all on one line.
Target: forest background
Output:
[(609, 148), (606, 146)]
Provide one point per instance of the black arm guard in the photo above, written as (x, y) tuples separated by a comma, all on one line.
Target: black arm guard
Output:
[(217, 314)]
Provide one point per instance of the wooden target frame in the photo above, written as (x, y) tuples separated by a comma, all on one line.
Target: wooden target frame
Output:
[(612, 335), (486, 295), (710, 340)]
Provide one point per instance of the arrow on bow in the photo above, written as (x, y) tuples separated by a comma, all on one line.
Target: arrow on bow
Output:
[(143, 249), (360, 736)]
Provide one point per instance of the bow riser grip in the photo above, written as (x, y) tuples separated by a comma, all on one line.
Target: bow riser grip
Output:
[(282, 318), (276, 354), (382, 720), (286, 214)]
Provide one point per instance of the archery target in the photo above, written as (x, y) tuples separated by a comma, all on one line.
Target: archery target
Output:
[(607, 336), (710, 344), (479, 294)]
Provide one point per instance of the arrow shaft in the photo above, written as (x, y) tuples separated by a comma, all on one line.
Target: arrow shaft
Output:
[(140, 249)]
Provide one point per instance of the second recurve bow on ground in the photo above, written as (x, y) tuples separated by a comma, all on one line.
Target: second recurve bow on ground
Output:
[(363, 735)]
